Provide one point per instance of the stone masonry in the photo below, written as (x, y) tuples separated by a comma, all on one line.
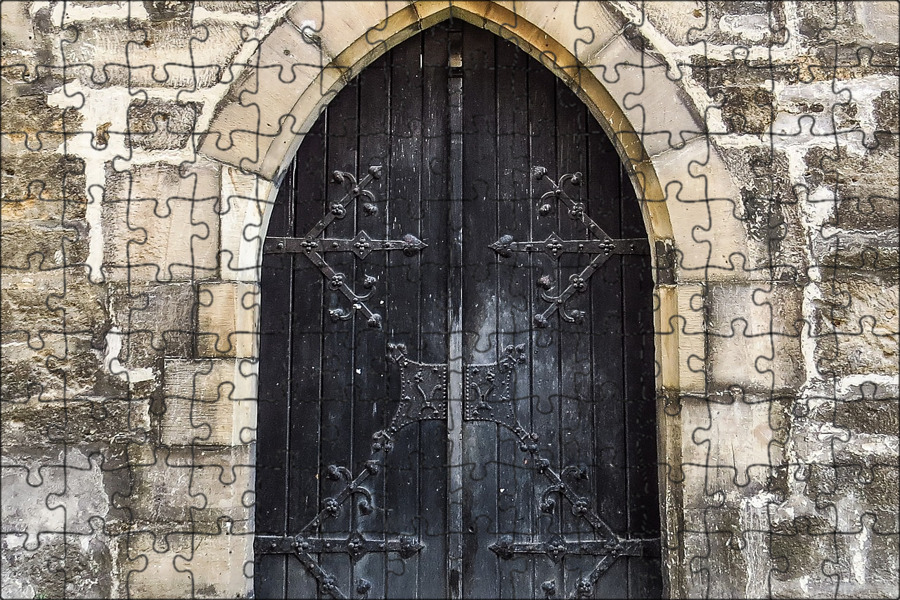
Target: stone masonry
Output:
[(142, 146)]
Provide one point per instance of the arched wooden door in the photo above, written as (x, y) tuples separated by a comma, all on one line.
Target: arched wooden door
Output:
[(457, 366)]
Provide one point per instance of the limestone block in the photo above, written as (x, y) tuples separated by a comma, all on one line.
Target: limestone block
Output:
[(35, 246), (855, 323), (42, 186), (248, 201), (259, 104), (864, 181), (880, 20), (201, 566), (166, 53), (771, 207), (227, 318), (157, 124), (754, 337), (335, 26), (192, 488), (702, 202), (554, 22), (31, 125), (738, 466), (50, 490), (56, 366), (209, 402), (154, 321), (81, 566), (649, 99), (34, 422), (59, 301), (160, 224), (691, 326)]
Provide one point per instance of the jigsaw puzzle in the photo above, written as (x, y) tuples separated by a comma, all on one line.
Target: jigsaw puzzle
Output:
[(450, 299)]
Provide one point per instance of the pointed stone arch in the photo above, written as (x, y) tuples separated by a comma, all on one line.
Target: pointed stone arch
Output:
[(683, 185)]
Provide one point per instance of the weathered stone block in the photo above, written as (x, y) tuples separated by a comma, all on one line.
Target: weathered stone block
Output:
[(157, 124), (855, 322), (247, 197), (154, 320), (30, 125), (703, 207), (161, 224), (52, 302), (735, 467), (209, 402), (43, 186), (192, 488), (754, 337), (770, 210), (54, 366), (159, 53), (203, 566), (73, 566), (51, 490), (227, 318), (33, 246), (32, 423)]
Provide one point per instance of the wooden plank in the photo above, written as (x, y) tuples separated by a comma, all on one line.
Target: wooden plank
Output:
[(274, 400), (338, 355), (480, 568), (434, 266), (306, 291), (516, 507), (402, 316), (544, 341), (374, 408), (607, 389), (644, 575)]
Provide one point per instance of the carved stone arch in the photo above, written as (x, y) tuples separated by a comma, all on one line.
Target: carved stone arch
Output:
[(684, 187)]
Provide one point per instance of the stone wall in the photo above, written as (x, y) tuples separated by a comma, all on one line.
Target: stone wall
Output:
[(142, 144)]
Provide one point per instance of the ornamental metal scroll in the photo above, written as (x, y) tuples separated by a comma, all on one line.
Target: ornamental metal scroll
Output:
[(361, 245), (601, 247)]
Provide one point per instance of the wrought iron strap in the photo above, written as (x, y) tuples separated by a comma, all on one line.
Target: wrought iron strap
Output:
[(557, 547), (362, 244), (356, 545), (601, 247), (554, 246)]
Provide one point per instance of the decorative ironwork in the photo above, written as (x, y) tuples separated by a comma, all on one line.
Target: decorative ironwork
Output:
[(361, 245), (489, 394), (601, 247), (423, 393), (423, 397)]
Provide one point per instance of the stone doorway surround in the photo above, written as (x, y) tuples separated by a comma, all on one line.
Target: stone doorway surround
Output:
[(257, 129), (158, 493)]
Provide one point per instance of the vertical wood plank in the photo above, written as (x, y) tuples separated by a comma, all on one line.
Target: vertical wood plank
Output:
[(480, 572), (434, 265), (338, 356), (306, 292), (516, 502), (402, 315), (644, 574), (544, 341), (274, 399), (373, 406), (603, 192)]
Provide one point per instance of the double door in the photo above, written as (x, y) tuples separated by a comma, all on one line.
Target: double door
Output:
[(457, 372)]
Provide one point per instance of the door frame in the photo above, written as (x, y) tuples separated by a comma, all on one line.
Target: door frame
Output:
[(255, 159)]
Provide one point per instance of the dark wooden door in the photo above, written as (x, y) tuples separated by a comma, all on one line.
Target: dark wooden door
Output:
[(457, 366)]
